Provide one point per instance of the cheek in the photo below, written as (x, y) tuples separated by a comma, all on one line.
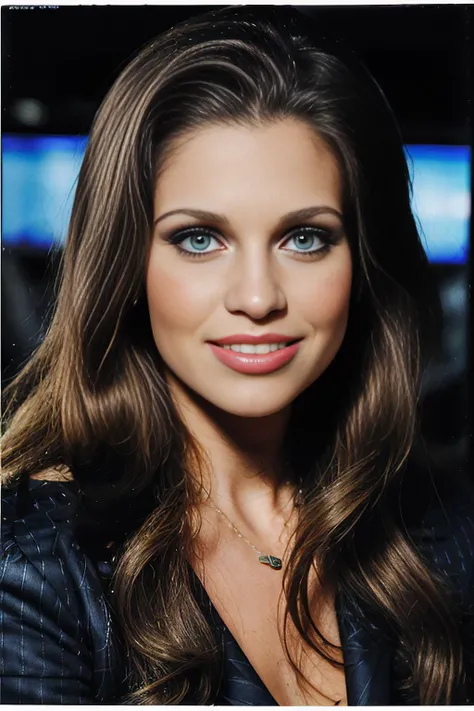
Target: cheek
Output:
[(326, 298), (176, 302)]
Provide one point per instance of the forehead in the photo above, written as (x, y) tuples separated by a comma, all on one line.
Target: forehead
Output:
[(284, 161)]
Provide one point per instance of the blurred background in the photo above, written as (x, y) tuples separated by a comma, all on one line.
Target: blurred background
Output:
[(58, 63)]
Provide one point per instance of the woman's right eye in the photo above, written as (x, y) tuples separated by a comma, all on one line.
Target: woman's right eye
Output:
[(196, 240)]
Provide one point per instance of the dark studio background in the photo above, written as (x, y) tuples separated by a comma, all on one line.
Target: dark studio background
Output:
[(66, 58)]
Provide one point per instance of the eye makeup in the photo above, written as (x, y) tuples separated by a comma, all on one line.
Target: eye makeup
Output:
[(328, 237)]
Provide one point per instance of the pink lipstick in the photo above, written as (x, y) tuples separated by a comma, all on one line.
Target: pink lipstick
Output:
[(258, 363)]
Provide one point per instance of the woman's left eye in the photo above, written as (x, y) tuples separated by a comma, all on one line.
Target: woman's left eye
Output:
[(305, 238)]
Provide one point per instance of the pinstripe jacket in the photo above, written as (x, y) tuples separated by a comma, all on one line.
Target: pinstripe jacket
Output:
[(57, 642)]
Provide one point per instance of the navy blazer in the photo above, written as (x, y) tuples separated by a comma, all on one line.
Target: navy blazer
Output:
[(57, 634)]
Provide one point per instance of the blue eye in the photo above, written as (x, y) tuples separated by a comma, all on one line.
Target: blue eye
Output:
[(199, 241), (305, 237), (198, 238)]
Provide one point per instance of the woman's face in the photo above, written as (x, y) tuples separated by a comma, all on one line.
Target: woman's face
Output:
[(252, 267)]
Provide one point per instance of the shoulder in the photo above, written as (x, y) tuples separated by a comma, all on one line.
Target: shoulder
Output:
[(34, 515), (49, 582), (38, 520), (39, 523)]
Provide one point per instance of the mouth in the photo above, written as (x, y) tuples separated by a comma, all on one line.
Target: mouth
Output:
[(256, 359)]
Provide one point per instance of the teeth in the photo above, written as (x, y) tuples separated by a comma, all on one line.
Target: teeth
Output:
[(259, 349)]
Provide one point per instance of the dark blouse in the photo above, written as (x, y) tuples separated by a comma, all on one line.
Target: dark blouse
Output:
[(56, 632)]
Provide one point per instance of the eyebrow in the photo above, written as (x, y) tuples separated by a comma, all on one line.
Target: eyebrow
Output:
[(302, 214)]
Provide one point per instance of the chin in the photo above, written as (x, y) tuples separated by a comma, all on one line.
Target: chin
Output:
[(251, 402), (252, 411)]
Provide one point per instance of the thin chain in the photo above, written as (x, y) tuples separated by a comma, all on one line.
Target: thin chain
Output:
[(233, 526)]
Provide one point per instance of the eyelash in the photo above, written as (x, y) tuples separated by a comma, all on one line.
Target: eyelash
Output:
[(325, 236)]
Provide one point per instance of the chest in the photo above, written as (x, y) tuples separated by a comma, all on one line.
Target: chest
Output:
[(248, 597)]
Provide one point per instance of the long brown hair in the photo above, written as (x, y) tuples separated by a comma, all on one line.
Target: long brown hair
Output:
[(93, 398)]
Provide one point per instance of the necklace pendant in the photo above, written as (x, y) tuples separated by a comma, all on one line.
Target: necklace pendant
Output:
[(270, 560)]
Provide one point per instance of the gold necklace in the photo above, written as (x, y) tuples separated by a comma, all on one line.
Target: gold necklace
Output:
[(265, 558)]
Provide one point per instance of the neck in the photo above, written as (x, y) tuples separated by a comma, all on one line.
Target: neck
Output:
[(245, 472)]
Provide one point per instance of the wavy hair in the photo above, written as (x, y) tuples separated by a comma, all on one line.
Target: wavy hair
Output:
[(93, 397)]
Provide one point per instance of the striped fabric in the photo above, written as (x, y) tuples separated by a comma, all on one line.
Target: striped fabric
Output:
[(57, 643)]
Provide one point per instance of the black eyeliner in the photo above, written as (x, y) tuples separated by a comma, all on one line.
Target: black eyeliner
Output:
[(328, 236)]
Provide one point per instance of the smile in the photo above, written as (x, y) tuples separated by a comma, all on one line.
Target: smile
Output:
[(260, 348), (255, 359)]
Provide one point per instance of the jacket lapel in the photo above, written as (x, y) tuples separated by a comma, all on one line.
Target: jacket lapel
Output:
[(368, 656)]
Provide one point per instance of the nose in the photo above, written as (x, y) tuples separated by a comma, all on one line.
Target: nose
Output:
[(254, 286)]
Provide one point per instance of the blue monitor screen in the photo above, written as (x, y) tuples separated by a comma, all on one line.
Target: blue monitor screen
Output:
[(39, 175), (442, 199)]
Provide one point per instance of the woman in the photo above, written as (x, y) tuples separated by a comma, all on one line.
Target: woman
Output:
[(209, 493)]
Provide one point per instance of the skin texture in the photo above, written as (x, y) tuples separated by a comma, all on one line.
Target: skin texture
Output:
[(253, 278)]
